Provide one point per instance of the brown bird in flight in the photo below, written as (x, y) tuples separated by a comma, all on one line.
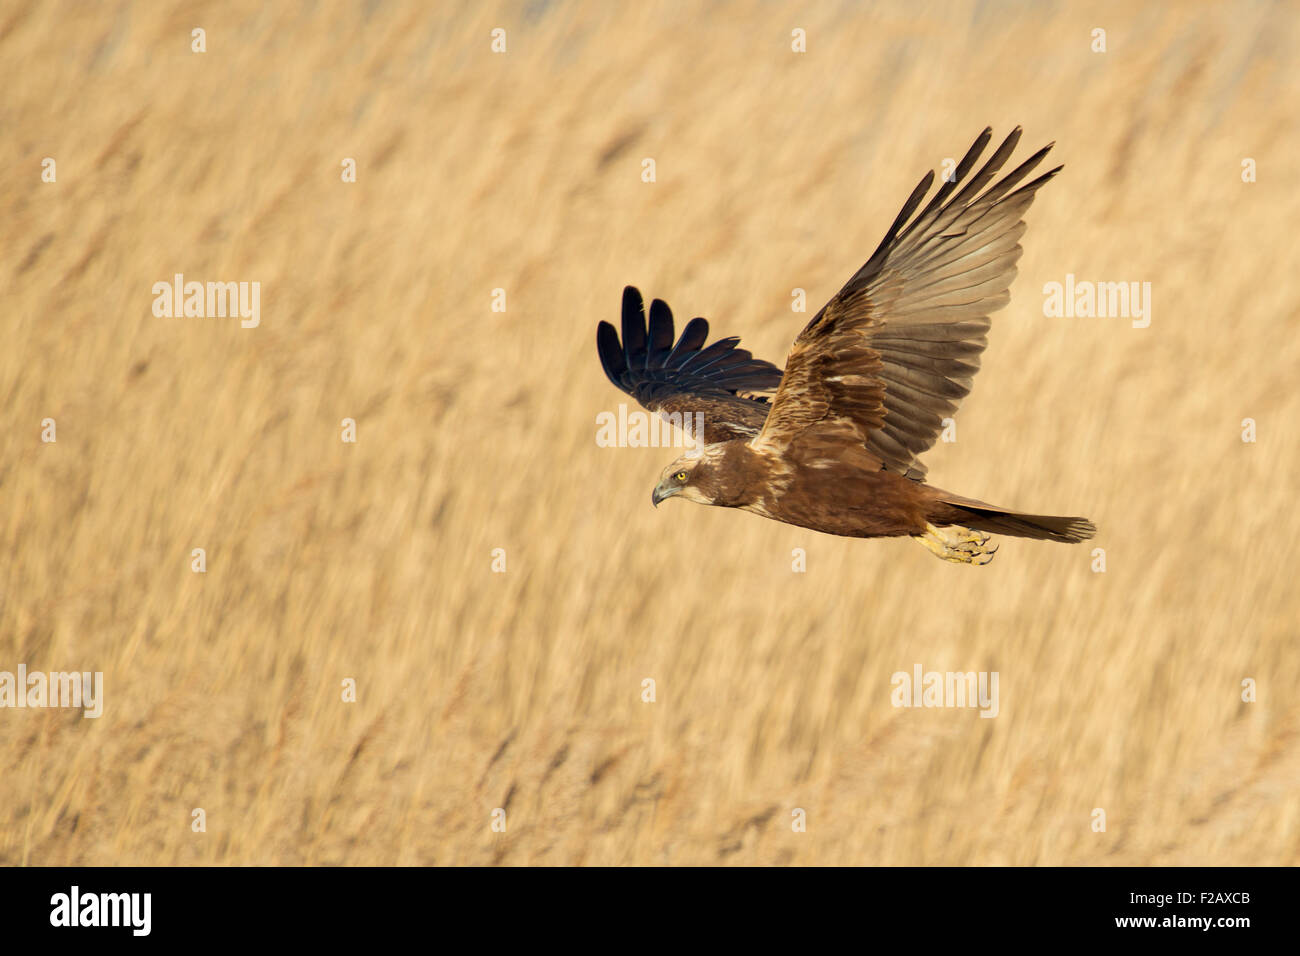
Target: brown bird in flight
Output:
[(867, 384)]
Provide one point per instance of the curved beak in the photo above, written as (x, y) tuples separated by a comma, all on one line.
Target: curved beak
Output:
[(660, 493)]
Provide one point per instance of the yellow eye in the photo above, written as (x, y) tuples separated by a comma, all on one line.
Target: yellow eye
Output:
[(680, 476)]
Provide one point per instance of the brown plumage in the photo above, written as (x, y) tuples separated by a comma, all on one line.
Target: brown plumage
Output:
[(867, 384)]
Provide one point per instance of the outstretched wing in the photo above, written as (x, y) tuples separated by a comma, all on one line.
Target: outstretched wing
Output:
[(894, 352), (722, 380)]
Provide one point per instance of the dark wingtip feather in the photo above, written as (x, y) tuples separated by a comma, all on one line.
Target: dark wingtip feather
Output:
[(958, 176), (1034, 184), (611, 353), (633, 325), (706, 357), (648, 366), (693, 338), (661, 333), (891, 233)]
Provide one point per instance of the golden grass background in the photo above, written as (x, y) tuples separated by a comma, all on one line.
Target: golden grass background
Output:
[(476, 430)]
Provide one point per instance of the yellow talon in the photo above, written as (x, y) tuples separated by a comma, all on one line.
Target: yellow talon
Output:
[(958, 545)]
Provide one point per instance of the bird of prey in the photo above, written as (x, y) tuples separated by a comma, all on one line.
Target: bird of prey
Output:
[(868, 382)]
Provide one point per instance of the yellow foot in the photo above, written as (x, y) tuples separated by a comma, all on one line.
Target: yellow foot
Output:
[(959, 545)]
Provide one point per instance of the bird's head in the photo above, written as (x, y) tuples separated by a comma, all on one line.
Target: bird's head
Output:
[(687, 477)]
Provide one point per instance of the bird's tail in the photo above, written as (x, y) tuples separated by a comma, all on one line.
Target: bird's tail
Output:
[(985, 517), (1070, 530)]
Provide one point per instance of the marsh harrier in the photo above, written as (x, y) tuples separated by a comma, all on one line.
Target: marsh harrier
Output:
[(867, 385)]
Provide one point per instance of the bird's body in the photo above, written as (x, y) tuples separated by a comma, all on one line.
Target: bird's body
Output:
[(843, 495), (868, 385), (849, 495)]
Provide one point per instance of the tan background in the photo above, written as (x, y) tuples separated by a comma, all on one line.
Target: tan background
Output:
[(477, 431)]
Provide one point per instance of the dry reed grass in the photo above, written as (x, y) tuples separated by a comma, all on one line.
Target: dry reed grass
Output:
[(476, 431)]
